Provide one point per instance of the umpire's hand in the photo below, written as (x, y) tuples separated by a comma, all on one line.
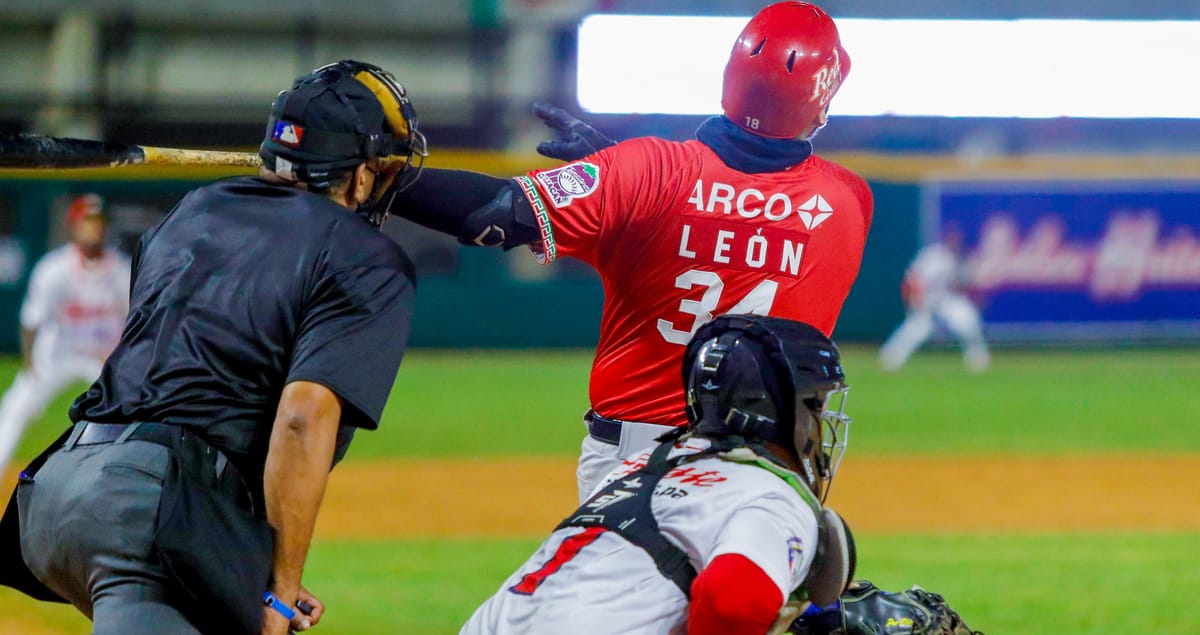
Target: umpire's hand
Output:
[(309, 615), (573, 139)]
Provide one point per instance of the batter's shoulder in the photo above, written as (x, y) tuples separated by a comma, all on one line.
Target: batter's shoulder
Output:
[(851, 179), (657, 148)]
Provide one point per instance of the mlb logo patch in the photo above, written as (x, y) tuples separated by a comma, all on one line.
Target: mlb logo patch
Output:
[(289, 134)]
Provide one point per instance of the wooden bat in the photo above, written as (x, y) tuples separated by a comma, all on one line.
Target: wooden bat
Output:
[(35, 151)]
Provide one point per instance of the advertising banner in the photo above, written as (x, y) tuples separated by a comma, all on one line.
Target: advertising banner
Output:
[(1110, 261)]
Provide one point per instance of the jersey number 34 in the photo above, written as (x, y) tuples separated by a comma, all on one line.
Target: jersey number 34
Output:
[(758, 302)]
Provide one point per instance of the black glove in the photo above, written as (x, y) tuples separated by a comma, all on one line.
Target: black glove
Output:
[(866, 609), (573, 139)]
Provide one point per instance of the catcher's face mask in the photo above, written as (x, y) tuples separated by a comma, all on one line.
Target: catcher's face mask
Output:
[(821, 435)]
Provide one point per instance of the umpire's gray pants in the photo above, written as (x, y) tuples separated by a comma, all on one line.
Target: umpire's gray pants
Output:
[(87, 532)]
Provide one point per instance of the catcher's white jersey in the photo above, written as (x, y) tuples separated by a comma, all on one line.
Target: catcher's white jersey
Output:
[(590, 581), (77, 306)]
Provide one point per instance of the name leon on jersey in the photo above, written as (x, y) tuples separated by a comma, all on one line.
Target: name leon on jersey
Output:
[(738, 246)]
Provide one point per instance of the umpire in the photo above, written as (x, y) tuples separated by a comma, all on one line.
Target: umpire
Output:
[(268, 319)]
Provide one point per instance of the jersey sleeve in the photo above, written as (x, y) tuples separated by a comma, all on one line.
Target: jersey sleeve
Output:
[(352, 336), (36, 309), (577, 204), (732, 595), (776, 533)]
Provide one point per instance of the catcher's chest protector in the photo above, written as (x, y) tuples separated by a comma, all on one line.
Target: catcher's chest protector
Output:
[(623, 506)]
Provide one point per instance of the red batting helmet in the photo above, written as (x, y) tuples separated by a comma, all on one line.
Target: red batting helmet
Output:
[(786, 65), (84, 205)]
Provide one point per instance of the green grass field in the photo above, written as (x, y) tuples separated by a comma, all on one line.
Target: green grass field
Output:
[(466, 404)]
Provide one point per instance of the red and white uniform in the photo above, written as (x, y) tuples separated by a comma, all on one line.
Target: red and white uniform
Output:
[(678, 237), (605, 584), (77, 308)]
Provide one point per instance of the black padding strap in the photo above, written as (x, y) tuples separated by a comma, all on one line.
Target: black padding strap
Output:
[(623, 507)]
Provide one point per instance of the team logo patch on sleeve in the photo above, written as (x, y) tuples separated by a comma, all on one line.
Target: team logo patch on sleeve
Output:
[(795, 548), (571, 181)]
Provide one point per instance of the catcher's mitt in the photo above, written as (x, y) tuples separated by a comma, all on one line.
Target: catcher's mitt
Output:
[(865, 609)]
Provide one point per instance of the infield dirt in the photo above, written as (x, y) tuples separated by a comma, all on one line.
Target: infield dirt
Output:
[(523, 497), (529, 496)]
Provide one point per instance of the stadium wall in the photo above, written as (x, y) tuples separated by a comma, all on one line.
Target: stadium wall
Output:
[(486, 298)]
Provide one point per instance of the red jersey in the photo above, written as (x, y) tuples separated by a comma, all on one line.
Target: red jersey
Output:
[(678, 237)]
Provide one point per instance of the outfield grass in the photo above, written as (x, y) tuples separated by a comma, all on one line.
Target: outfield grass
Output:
[(456, 403), (496, 403)]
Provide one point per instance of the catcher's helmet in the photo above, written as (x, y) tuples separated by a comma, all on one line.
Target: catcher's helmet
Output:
[(770, 379), (337, 117), (785, 67)]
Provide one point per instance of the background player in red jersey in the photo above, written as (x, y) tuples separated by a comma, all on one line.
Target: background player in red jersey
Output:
[(742, 219)]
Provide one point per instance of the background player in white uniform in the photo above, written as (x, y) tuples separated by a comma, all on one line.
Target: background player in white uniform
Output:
[(737, 499), (72, 317), (932, 290)]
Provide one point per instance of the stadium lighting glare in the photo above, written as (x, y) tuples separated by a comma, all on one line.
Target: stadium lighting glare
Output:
[(949, 68)]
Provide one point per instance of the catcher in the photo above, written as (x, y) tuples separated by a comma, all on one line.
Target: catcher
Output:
[(713, 529), (720, 529)]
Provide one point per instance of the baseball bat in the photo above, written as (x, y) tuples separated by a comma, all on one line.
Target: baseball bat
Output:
[(36, 151)]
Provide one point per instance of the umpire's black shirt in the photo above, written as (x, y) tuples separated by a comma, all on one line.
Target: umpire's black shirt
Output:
[(244, 287)]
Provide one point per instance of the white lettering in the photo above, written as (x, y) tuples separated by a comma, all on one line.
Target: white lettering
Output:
[(1043, 258), (792, 252), (1120, 265), (721, 253), (683, 241), (1122, 256), (753, 203), (757, 243), (741, 203), (697, 197), (723, 194), (784, 201)]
